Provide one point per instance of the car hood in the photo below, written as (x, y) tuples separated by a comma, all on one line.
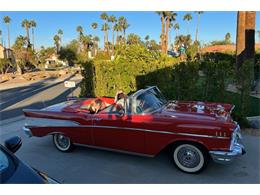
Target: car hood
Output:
[(198, 110)]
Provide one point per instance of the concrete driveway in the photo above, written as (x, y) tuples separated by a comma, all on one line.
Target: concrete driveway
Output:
[(85, 165)]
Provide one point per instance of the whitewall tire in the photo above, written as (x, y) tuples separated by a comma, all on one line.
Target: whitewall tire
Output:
[(190, 158), (62, 142)]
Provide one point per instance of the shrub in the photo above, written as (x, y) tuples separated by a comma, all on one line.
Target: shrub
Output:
[(131, 61), (206, 80)]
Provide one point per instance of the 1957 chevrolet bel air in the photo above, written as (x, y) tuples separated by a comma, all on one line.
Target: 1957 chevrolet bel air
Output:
[(146, 124)]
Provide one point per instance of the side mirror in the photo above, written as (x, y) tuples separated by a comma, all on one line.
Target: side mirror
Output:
[(13, 144)]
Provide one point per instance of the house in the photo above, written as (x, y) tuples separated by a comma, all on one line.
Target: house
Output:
[(53, 60), (6, 53)]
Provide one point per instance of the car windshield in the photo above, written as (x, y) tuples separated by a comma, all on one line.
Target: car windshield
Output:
[(149, 101), (4, 163)]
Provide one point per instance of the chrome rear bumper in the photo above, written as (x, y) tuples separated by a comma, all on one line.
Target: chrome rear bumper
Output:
[(236, 149), (27, 131)]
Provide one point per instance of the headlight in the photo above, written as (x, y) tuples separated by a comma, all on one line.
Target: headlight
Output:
[(235, 136)]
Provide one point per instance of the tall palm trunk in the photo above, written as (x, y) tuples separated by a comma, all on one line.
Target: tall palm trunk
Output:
[(162, 34), (166, 41), (113, 42), (124, 37), (197, 28), (33, 38), (8, 29), (96, 47), (104, 40), (107, 46), (116, 37), (28, 36)]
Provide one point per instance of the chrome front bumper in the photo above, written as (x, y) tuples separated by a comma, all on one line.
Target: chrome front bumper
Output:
[(236, 149), (27, 131)]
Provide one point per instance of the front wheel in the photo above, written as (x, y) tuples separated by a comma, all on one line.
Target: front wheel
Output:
[(62, 142), (190, 158)]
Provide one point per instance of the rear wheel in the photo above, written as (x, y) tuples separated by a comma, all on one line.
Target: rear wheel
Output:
[(190, 157), (62, 142)]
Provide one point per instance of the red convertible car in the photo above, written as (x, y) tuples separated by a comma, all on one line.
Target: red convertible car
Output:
[(146, 124)]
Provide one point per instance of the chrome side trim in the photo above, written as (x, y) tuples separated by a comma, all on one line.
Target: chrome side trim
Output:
[(114, 150), (139, 129), (45, 122), (162, 132), (199, 126)]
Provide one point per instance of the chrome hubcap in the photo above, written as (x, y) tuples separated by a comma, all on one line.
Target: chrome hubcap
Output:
[(188, 157), (62, 140)]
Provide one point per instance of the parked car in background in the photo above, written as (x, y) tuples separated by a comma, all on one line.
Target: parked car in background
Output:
[(14, 171), (172, 53), (144, 123)]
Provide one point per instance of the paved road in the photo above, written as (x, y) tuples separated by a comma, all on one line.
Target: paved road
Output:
[(85, 165), (37, 95)]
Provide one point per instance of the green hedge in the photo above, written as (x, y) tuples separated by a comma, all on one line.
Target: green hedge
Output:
[(104, 77), (135, 67)]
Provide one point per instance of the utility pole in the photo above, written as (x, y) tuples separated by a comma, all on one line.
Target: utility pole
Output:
[(245, 44)]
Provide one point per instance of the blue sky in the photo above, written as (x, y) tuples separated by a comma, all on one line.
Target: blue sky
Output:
[(213, 25)]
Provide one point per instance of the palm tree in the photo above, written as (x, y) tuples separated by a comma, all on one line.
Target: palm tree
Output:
[(146, 38), (167, 17), (33, 25), (227, 37), (94, 25), (113, 20), (176, 27), (105, 28), (117, 28), (197, 27), (124, 24), (56, 39), (170, 17), (162, 36), (133, 39), (60, 33), (79, 29), (7, 21), (86, 42), (187, 17), (27, 25), (96, 40)]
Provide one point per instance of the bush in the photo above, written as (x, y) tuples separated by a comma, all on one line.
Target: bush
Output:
[(5, 65), (206, 80), (131, 61)]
